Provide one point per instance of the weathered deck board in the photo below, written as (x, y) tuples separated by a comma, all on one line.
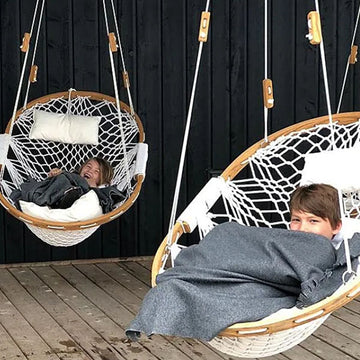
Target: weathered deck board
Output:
[(53, 334), (113, 309), (298, 352), (78, 311), (22, 332), (132, 301), (56, 305), (8, 348), (91, 311)]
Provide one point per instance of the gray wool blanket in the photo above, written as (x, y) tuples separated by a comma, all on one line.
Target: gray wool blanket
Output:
[(238, 274), (52, 192)]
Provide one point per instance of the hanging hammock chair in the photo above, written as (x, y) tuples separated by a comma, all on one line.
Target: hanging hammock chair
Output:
[(262, 200), (108, 128), (255, 190)]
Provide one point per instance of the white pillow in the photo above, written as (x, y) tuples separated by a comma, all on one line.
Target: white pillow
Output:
[(338, 168), (71, 129), (349, 227), (85, 208)]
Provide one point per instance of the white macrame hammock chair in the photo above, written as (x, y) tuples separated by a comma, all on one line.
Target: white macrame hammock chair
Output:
[(120, 141), (275, 168)]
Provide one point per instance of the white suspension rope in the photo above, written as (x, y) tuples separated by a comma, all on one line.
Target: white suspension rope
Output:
[(122, 133), (185, 140), (35, 49), (326, 83), (122, 55), (21, 80), (34, 17), (348, 62), (17, 99), (266, 110), (106, 18), (118, 34)]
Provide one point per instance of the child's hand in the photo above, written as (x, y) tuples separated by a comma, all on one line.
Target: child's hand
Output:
[(54, 172)]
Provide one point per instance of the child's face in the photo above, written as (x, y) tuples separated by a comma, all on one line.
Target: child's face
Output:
[(91, 172), (308, 222)]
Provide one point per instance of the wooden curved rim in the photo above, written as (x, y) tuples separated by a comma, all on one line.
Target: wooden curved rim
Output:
[(308, 314), (318, 310), (162, 250), (78, 225)]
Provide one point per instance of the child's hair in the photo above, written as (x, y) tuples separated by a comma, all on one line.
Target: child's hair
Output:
[(106, 170), (319, 199)]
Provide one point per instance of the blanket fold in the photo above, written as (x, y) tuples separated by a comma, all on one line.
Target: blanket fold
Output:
[(62, 191), (236, 274), (51, 191)]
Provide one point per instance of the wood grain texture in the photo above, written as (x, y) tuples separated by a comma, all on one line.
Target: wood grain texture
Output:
[(79, 310)]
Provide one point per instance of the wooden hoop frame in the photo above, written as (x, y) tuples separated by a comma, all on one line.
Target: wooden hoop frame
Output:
[(318, 310), (78, 225)]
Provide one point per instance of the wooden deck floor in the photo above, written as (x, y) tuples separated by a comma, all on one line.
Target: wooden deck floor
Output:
[(80, 310)]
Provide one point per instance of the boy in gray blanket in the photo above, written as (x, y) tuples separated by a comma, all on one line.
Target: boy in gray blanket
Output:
[(315, 209), (241, 273)]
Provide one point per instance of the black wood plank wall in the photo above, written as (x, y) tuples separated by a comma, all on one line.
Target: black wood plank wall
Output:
[(160, 42)]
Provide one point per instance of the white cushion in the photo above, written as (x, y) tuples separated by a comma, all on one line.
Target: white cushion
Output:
[(71, 129), (141, 159), (349, 227), (85, 208), (338, 168)]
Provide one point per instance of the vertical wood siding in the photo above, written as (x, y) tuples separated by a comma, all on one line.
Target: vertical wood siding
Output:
[(160, 48)]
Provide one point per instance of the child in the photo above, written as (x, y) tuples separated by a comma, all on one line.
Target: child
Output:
[(96, 171), (246, 273), (61, 189), (315, 209)]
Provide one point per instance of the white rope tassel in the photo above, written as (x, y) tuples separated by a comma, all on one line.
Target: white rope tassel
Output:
[(349, 270), (68, 112), (185, 140), (326, 83), (348, 63)]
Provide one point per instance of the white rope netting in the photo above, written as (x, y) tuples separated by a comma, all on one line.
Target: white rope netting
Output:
[(119, 137), (35, 158), (259, 196), (61, 238), (261, 199), (275, 172), (27, 157), (266, 345)]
